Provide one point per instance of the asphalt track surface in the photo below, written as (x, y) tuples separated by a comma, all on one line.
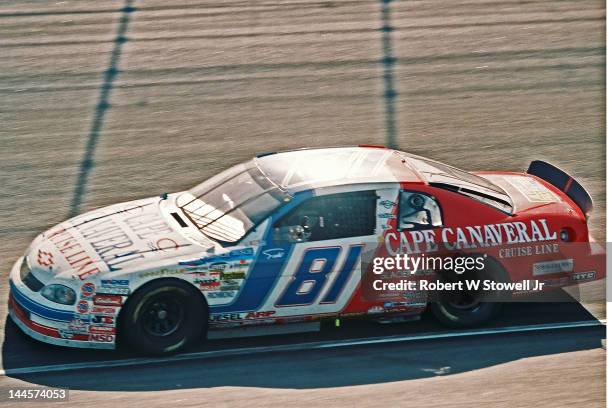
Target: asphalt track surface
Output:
[(102, 102)]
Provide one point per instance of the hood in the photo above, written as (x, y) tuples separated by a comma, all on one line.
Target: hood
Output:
[(111, 239), (526, 191)]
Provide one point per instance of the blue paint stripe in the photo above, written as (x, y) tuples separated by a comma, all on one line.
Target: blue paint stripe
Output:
[(38, 309)]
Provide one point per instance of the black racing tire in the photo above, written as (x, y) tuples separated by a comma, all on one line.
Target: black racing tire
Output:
[(470, 309), (163, 317), (458, 318)]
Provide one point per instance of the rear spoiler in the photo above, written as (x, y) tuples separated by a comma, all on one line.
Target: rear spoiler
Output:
[(563, 182)]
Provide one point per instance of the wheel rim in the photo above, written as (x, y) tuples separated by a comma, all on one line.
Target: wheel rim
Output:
[(162, 316), (464, 300)]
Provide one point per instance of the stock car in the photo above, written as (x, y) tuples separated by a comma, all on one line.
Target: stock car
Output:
[(284, 238)]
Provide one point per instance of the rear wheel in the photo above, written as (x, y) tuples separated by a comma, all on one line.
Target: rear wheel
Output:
[(163, 317), (469, 308)]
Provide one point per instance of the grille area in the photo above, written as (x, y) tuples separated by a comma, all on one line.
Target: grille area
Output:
[(32, 283)]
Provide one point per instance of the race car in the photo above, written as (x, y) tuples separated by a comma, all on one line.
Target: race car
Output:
[(288, 237)]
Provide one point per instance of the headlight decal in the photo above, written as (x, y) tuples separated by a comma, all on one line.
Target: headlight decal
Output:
[(41, 310), (59, 294)]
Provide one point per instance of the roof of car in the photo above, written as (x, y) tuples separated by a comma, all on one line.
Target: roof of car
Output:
[(302, 169)]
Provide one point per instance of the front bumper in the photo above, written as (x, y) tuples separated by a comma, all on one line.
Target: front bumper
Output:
[(45, 321)]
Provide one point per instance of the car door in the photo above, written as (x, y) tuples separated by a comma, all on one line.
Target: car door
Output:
[(327, 236)]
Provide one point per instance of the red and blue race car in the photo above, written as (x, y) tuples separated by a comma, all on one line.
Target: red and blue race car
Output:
[(287, 237)]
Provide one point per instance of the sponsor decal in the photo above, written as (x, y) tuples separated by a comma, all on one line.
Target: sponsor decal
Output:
[(386, 216), (164, 244), (82, 307), (376, 309), (73, 253), (533, 191), (108, 300), (218, 267), (109, 239), (387, 204), (207, 280), (230, 285), (208, 285), (225, 317), (114, 287), (103, 320), (580, 276), (88, 290), (549, 267), (222, 294), (101, 338), (66, 334), (242, 316), (114, 291), (274, 253), (389, 305), (104, 310), (477, 236), (77, 326), (416, 297), (102, 329), (161, 272), (113, 283), (110, 242), (234, 275), (260, 315), (44, 258), (539, 249)]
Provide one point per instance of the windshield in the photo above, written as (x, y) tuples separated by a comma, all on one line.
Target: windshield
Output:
[(226, 206), (302, 168), (453, 179)]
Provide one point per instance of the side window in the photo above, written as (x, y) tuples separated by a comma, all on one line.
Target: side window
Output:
[(331, 216), (418, 211)]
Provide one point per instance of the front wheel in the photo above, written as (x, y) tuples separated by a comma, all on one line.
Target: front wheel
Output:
[(163, 317)]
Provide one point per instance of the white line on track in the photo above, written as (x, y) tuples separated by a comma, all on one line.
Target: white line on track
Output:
[(299, 346)]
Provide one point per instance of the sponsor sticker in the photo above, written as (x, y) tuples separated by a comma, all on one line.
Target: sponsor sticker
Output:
[(274, 253), (242, 316), (532, 189), (222, 294), (77, 326), (375, 310), (234, 275), (102, 329), (114, 287), (101, 337), (103, 320), (549, 267), (83, 307), (161, 272), (45, 258), (230, 285), (218, 266), (387, 204), (260, 315), (88, 290), (580, 276), (104, 310), (108, 300)]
